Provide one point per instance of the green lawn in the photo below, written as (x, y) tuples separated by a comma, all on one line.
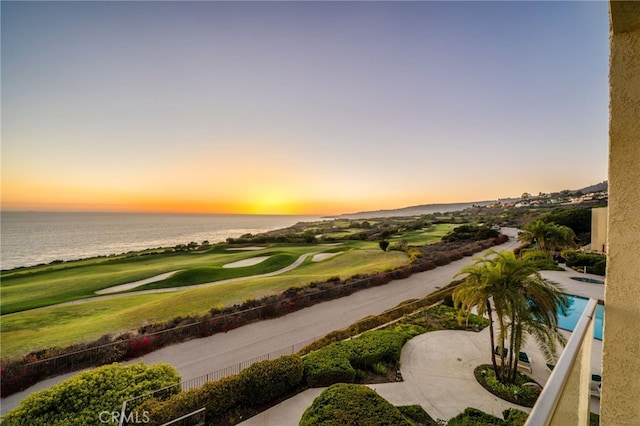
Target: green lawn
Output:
[(24, 328), (63, 325)]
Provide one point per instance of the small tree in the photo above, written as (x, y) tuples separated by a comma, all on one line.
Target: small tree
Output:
[(384, 244), (524, 304)]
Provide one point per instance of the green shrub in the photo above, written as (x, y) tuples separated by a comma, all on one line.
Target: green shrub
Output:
[(515, 393), (417, 414), (337, 362), (348, 404), (514, 417), (474, 417), (81, 399), (268, 380), (259, 384), (327, 366)]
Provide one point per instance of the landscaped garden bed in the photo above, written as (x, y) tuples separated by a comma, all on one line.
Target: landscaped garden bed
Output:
[(516, 393)]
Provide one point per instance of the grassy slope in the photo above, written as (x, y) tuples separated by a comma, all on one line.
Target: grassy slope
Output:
[(35, 329), (23, 290)]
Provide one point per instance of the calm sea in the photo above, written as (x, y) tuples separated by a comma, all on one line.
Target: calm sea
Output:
[(31, 238)]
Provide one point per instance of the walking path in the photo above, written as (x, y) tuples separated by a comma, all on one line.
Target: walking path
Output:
[(437, 369), (201, 356)]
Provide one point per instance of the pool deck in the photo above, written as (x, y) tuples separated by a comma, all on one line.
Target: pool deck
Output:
[(576, 288), (437, 368)]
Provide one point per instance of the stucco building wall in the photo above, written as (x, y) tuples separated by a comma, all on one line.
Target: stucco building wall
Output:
[(620, 401), (599, 229)]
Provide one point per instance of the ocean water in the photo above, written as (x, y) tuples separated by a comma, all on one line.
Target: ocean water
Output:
[(32, 238)]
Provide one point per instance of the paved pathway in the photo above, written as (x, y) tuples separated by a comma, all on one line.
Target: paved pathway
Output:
[(437, 369), (200, 356)]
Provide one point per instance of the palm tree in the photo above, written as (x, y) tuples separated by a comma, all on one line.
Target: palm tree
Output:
[(547, 236), (525, 305)]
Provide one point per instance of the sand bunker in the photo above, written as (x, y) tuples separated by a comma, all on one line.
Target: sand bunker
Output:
[(323, 256), (246, 262), (245, 248)]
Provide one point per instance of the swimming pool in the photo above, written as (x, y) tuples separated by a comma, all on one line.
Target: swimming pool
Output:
[(576, 307)]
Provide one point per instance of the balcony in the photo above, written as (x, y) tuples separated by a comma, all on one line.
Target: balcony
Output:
[(565, 399)]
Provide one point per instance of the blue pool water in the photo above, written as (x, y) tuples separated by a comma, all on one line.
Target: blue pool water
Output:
[(577, 305)]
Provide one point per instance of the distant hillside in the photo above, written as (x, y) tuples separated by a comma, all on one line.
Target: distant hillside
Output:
[(415, 210), (602, 186), (446, 207)]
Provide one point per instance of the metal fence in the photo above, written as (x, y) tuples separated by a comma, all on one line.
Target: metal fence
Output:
[(197, 418), (129, 405)]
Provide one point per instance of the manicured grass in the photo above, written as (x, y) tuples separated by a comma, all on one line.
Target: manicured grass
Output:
[(25, 289), (425, 236), (40, 287), (63, 325), (207, 274)]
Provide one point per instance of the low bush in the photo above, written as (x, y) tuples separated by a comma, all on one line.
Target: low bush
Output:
[(81, 399), (338, 362), (515, 393), (260, 384), (417, 414), (348, 404)]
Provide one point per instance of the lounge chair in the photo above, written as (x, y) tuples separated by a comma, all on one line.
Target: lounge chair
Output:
[(595, 386), (524, 361), (496, 352)]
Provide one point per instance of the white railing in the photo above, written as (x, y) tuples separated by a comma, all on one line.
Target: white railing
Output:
[(566, 396)]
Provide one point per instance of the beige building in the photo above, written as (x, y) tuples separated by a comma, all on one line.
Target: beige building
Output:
[(599, 230), (565, 399)]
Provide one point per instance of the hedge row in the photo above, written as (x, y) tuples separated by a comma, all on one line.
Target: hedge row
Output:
[(19, 373), (224, 400), (92, 396), (338, 362), (595, 263), (374, 321)]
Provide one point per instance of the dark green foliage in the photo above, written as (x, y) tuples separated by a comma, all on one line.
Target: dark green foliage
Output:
[(384, 244), (578, 219), (514, 417), (265, 381), (595, 263), (474, 417), (347, 404), (515, 392), (470, 232), (262, 383), (338, 362), (417, 414), (79, 400)]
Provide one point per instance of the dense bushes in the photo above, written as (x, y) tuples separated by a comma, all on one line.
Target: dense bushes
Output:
[(347, 404), (224, 400), (470, 232), (338, 361), (594, 263), (474, 417), (515, 393), (82, 399)]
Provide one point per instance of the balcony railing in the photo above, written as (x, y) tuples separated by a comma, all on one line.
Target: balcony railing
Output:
[(566, 397)]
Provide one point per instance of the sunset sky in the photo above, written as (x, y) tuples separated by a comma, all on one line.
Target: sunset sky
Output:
[(299, 107)]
